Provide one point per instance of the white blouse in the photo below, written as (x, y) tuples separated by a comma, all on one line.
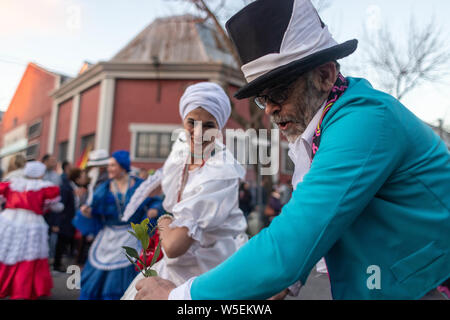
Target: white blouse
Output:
[(208, 208)]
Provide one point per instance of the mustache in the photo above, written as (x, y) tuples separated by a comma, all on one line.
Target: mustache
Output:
[(279, 119)]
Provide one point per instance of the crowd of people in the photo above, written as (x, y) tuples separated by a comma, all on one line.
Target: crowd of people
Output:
[(46, 197)]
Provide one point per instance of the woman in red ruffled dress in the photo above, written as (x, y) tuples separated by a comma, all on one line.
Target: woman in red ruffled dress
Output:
[(24, 269)]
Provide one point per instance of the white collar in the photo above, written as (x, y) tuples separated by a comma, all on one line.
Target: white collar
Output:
[(308, 134), (300, 151)]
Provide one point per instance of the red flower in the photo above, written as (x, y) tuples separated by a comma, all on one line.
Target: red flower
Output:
[(150, 252)]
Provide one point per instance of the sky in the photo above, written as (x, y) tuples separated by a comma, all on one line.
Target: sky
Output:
[(61, 34)]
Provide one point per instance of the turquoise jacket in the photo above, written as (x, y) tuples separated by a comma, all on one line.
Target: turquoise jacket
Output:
[(375, 203)]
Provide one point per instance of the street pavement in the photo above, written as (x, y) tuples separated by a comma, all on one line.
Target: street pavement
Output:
[(317, 287)]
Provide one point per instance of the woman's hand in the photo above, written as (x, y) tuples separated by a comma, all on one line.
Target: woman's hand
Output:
[(152, 213), (163, 223), (86, 211)]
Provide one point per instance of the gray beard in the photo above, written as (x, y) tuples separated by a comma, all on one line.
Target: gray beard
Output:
[(307, 105)]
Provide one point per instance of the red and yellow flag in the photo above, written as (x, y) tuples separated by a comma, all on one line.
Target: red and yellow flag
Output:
[(82, 162)]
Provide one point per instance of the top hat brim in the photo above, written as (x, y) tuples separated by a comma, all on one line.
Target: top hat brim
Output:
[(97, 163), (289, 72)]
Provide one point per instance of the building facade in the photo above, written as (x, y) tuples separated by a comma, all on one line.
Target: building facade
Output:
[(26, 123)]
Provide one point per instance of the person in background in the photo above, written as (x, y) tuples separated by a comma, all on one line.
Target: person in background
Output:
[(245, 198), (143, 173), (24, 269), (285, 192), (66, 166), (15, 167), (97, 170), (50, 173), (108, 272), (64, 228), (51, 218), (95, 174), (83, 187), (273, 207)]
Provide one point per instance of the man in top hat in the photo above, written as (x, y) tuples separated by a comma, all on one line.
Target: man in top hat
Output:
[(97, 164), (372, 182)]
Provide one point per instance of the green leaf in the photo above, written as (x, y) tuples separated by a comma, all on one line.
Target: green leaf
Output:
[(129, 259), (145, 241), (131, 252), (141, 231), (134, 234), (156, 254), (150, 273), (153, 228)]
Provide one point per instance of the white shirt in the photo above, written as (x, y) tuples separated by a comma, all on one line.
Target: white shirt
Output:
[(300, 152)]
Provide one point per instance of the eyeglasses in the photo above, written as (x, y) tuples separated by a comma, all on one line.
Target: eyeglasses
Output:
[(277, 95)]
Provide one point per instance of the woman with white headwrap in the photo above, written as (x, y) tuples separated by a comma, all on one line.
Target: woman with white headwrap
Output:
[(200, 180)]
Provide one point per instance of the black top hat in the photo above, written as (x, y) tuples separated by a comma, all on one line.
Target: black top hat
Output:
[(278, 41)]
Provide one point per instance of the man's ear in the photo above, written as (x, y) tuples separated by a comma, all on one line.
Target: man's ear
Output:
[(327, 75)]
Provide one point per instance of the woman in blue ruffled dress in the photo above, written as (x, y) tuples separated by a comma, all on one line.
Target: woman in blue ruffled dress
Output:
[(107, 272)]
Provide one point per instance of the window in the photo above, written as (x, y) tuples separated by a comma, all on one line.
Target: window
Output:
[(35, 130), (152, 142), (32, 151), (86, 141), (156, 145), (62, 151)]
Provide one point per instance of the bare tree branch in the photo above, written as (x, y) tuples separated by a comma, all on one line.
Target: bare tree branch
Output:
[(402, 67)]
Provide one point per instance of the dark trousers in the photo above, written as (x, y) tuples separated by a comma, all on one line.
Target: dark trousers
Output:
[(83, 251), (62, 244)]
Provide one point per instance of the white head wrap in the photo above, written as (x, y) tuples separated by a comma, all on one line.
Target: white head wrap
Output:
[(34, 169), (211, 97)]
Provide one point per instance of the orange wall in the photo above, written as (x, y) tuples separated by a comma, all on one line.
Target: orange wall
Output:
[(31, 102), (87, 123), (135, 101)]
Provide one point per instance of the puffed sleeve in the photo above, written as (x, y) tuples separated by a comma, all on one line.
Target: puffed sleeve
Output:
[(52, 199), (4, 189), (207, 207)]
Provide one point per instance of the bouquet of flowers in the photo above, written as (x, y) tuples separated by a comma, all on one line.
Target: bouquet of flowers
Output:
[(149, 255)]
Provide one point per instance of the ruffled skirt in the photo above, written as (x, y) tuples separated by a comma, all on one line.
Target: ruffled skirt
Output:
[(24, 269), (97, 284)]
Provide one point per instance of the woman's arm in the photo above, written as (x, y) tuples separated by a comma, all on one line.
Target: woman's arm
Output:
[(175, 241)]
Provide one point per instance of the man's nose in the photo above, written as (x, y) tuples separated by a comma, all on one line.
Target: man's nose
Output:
[(272, 108)]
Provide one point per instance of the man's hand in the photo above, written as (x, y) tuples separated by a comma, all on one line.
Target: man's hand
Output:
[(280, 296), (153, 288)]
